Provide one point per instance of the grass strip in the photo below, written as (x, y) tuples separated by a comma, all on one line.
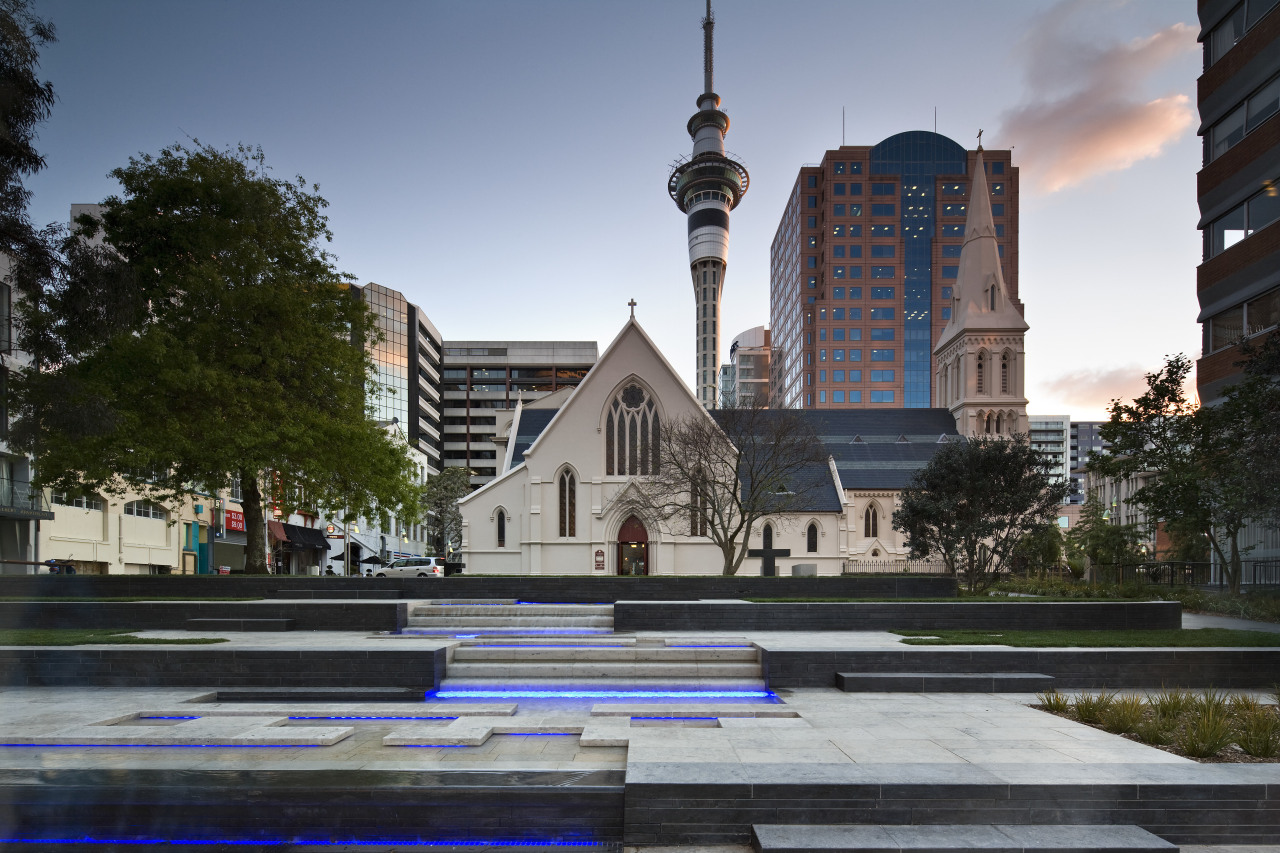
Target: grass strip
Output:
[(1174, 637), (90, 636)]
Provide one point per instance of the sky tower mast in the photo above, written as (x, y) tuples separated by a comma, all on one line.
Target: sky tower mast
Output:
[(706, 187)]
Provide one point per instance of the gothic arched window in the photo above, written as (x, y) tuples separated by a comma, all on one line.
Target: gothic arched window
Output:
[(502, 529), (632, 434), (1004, 373), (568, 504), (982, 373), (1000, 423), (811, 539), (766, 538), (988, 424), (871, 522)]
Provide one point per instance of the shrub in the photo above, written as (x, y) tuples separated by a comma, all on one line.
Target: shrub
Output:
[(1156, 731), (1090, 707), (1207, 733), (1170, 703), (1258, 732), (1209, 700), (1242, 704), (1123, 714), (1054, 702)]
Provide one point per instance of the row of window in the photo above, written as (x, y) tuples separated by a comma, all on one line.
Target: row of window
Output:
[(139, 508), (853, 397), (856, 334), (1250, 216), (563, 374), (1242, 321), (1243, 120), (856, 272), (1232, 28), (856, 355)]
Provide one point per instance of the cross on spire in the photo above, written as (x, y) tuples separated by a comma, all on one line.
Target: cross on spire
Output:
[(632, 303)]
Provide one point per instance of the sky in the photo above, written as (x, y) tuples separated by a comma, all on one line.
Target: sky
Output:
[(504, 162)]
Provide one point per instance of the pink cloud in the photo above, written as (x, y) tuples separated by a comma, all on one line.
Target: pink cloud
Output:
[(1084, 114), (1093, 389)]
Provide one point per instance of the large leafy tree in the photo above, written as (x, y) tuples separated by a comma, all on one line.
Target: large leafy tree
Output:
[(1254, 403), (196, 334), (25, 102), (442, 517), (974, 502), (1194, 455), (718, 476), (1107, 545)]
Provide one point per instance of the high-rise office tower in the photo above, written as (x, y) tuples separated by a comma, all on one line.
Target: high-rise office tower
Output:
[(484, 377), (1238, 284), (864, 264), (407, 360), (706, 187), (1086, 440)]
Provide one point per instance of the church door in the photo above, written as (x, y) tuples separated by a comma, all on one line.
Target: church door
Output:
[(633, 548)]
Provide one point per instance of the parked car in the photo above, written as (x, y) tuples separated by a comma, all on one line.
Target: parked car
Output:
[(421, 567)]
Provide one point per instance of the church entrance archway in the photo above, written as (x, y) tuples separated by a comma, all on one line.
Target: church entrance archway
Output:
[(633, 548)]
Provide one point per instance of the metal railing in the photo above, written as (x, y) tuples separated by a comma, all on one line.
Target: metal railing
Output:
[(20, 495), (904, 567), (1258, 573)]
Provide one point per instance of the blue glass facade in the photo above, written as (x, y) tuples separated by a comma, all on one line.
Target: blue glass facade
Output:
[(918, 157)]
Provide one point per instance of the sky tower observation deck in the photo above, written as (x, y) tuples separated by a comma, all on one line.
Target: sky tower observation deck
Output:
[(705, 187)]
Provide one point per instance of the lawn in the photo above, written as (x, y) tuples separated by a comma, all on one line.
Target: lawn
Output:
[(88, 636), (1177, 637)]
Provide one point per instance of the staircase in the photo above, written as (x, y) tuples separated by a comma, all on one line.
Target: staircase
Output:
[(614, 665), (479, 617)]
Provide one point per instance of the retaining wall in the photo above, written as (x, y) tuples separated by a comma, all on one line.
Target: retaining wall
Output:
[(887, 616), (1071, 668), (574, 590), (173, 615)]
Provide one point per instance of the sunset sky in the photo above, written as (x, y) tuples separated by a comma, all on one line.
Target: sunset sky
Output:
[(504, 162)]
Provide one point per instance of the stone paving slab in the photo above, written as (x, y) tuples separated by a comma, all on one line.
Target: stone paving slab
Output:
[(928, 839)]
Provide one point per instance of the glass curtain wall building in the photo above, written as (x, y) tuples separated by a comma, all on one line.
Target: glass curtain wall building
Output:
[(863, 264)]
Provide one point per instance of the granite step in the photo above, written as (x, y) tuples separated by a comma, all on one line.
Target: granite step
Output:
[(943, 682), (523, 670), (796, 838), (620, 653)]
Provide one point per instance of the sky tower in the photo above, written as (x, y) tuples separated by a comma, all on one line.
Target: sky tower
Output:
[(706, 187)]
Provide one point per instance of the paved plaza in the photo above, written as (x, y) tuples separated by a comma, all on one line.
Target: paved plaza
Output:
[(807, 736)]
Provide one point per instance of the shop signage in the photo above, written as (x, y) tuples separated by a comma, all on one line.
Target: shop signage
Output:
[(235, 520), (599, 561)]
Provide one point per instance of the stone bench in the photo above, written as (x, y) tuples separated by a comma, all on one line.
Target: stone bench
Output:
[(210, 624), (316, 694), (943, 682), (793, 838)]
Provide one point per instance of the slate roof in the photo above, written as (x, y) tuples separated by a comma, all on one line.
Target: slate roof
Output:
[(532, 423), (876, 449)]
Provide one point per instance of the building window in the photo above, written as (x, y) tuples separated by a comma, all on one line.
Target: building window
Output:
[(998, 210), (997, 168), (92, 502), (883, 355), (951, 251), (882, 335), (884, 210), (1004, 373), (568, 504), (870, 523), (811, 539), (811, 181), (882, 396), (855, 355), (839, 189), (982, 373), (954, 209), (837, 396), (1250, 217), (632, 433), (883, 375), (855, 272), (855, 293), (883, 272), (145, 509), (997, 189), (884, 251), (879, 188), (882, 313), (950, 272), (502, 529), (952, 230), (811, 201), (856, 210)]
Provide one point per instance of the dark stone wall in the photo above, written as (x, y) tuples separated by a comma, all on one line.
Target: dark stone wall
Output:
[(281, 806), (708, 813), (883, 616), (575, 590), (1071, 668), (213, 666), (173, 615)]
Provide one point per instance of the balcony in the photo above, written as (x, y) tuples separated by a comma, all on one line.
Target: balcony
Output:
[(19, 500)]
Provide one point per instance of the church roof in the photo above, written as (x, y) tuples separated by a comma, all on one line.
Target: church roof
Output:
[(532, 423), (881, 448)]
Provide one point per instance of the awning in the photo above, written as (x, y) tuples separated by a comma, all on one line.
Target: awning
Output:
[(276, 529), (305, 538)]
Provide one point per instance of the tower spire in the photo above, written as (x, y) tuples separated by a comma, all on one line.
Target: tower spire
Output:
[(708, 50), (705, 187)]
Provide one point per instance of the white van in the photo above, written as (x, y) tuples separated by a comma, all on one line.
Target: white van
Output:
[(421, 567)]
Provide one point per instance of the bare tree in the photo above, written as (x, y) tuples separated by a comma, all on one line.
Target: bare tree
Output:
[(720, 472)]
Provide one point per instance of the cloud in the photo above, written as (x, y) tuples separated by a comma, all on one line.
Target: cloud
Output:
[(1094, 389), (1085, 114)]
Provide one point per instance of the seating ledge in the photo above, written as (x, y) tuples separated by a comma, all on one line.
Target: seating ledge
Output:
[(885, 838), (213, 624)]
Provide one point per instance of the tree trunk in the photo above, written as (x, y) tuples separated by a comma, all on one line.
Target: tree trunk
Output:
[(255, 549), (1237, 569)]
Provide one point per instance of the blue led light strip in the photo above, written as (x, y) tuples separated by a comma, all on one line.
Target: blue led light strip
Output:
[(601, 694)]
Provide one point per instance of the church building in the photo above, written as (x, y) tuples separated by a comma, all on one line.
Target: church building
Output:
[(566, 498)]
